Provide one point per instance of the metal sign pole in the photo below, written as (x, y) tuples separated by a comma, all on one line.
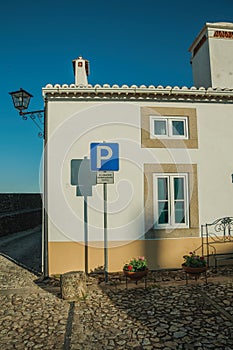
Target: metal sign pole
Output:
[(86, 234), (105, 160), (83, 178), (105, 234)]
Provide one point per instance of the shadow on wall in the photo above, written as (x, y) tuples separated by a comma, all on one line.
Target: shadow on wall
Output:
[(20, 228), (19, 212)]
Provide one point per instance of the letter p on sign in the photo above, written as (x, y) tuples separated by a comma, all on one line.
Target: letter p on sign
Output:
[(104, 156)]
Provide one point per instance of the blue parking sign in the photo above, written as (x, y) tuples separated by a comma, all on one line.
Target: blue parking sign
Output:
[(104, 156)]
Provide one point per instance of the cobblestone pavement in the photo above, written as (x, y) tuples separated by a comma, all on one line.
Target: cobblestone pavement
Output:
[(168, 314), (30, 318)]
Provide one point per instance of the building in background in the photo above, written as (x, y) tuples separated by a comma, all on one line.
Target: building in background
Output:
[(174, 162)]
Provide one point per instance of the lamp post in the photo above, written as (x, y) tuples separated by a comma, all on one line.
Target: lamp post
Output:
[(21, 100)]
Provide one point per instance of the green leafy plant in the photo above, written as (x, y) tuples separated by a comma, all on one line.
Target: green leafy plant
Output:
[(194, 260), (136, 264)]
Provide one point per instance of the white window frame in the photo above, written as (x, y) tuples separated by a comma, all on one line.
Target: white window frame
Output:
[(171, 207), (169, 120)]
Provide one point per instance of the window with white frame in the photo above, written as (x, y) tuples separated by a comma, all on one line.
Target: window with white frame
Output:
[(169, 127), (171, 201)]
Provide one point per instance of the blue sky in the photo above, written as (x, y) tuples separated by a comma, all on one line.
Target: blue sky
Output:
[(126, 42)]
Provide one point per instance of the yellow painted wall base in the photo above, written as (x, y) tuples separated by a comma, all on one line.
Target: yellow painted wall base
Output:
[(160, 254)]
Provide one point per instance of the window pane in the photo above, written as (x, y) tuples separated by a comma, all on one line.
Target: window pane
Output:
[(170, 195), (163, 212), (178, 188), (160, 127), (179, 212), (178, 127), (162, 189), (179, 205)]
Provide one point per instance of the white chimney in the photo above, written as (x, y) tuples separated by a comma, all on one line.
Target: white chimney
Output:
[(212, 56), (81, 71)]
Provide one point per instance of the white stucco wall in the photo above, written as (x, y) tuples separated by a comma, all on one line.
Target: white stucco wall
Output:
[(215, 125), (73, 125), (201, 67), (221, 62)]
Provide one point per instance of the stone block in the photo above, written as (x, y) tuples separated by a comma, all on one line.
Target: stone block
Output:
[(73, 285)]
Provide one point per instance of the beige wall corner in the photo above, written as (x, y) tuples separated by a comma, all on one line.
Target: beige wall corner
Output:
[(161, 254)]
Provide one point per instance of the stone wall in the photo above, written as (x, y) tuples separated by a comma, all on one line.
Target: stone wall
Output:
[(19, 211)]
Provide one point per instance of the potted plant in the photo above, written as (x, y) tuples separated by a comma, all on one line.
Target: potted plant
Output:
[(194, 264), (136, 268)]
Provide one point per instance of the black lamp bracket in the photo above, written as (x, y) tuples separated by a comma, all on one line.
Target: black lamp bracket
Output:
[(38, 119)]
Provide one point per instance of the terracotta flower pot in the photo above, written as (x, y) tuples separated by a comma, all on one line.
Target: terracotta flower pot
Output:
[(194, 270), (137, 275)]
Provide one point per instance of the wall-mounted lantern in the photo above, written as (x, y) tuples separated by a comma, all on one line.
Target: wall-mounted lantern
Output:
[(21, 100)]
